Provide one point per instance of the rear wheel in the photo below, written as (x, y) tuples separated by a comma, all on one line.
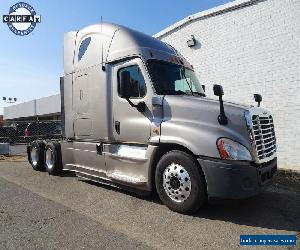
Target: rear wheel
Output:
[(180, 182), (52, 157), (36, 155)]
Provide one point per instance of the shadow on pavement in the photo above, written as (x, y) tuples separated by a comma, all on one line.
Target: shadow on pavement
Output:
[(272, 210)]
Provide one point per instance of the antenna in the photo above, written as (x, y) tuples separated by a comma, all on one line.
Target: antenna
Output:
[(103, 66)]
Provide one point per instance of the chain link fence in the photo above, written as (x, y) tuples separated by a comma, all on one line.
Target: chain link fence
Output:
[(28, 131)]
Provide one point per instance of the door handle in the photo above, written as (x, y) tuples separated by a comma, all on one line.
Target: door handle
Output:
[(117, 127), (99, 148)]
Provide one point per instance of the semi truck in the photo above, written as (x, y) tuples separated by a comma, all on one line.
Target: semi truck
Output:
[(135, 116)]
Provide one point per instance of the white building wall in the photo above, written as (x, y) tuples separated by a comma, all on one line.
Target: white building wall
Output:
[(48, 105), (250, 47), (26, 109), (43, 106)]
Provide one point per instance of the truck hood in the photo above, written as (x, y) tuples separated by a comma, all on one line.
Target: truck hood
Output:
[(193, 121)]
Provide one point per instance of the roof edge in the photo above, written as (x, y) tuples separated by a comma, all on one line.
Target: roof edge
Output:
[(206, 14)]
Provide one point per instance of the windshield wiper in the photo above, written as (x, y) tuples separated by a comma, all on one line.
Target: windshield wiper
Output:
[(190, 87), (173, 92), (198, 93), (183, 72)]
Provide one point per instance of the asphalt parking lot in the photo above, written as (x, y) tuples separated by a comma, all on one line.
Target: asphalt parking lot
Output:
[(38, 211)]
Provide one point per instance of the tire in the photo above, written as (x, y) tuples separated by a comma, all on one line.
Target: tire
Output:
[(180, 182), (52, 158), (36, 155)]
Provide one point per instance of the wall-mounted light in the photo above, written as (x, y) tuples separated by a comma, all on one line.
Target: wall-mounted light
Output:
[(9, 99), (191, 42)]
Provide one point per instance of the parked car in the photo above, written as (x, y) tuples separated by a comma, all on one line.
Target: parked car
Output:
[(7, 134), (42, 130)]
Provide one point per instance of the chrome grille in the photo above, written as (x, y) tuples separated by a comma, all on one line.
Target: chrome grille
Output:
[(263, 135)]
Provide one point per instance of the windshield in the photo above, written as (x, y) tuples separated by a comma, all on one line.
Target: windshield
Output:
[(173, 79)]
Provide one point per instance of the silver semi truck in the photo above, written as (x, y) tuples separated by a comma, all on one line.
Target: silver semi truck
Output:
[(135, 116)]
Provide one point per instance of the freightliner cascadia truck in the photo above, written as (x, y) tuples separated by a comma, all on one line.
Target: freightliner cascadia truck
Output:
[(135, 116)]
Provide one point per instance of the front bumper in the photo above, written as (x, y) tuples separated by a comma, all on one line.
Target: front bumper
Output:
[(236, 180)]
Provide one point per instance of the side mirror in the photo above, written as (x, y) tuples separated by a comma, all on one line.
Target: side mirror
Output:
[(125, 91), (203, 87), (218, 90), (258, 99), (141, 107), (125, 84)]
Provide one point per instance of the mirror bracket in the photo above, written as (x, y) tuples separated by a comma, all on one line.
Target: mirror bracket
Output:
[(141, 106), (222, 118)]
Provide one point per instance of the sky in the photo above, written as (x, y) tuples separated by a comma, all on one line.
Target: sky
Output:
[(30, 66)]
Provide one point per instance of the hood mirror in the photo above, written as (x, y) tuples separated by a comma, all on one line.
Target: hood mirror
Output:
[(258, 99), (218, 91)]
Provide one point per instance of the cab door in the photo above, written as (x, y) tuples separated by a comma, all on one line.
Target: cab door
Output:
[(130, 125)]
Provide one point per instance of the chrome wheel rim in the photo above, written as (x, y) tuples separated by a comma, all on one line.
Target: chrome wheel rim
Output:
[(34, 156), (177, 182), (49, 159)]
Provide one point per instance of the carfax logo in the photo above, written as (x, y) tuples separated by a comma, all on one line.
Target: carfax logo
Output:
[(21, 19)]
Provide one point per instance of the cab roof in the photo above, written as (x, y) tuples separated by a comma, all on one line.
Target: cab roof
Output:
[(112, 42)]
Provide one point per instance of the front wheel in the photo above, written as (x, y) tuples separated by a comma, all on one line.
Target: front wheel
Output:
[(180, 182)]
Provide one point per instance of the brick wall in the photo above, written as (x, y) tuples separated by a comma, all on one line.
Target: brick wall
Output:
[(250, 47)]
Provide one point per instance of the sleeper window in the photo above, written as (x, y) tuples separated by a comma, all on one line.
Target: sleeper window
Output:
[(83, 47)]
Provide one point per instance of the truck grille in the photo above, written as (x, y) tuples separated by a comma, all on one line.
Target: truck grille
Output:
[(263, 136)]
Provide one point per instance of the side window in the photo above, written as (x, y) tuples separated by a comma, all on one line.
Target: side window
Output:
[(138, 86), (83, 47)]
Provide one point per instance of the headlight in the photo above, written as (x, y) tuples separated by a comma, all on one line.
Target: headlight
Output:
[(231, 150)]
